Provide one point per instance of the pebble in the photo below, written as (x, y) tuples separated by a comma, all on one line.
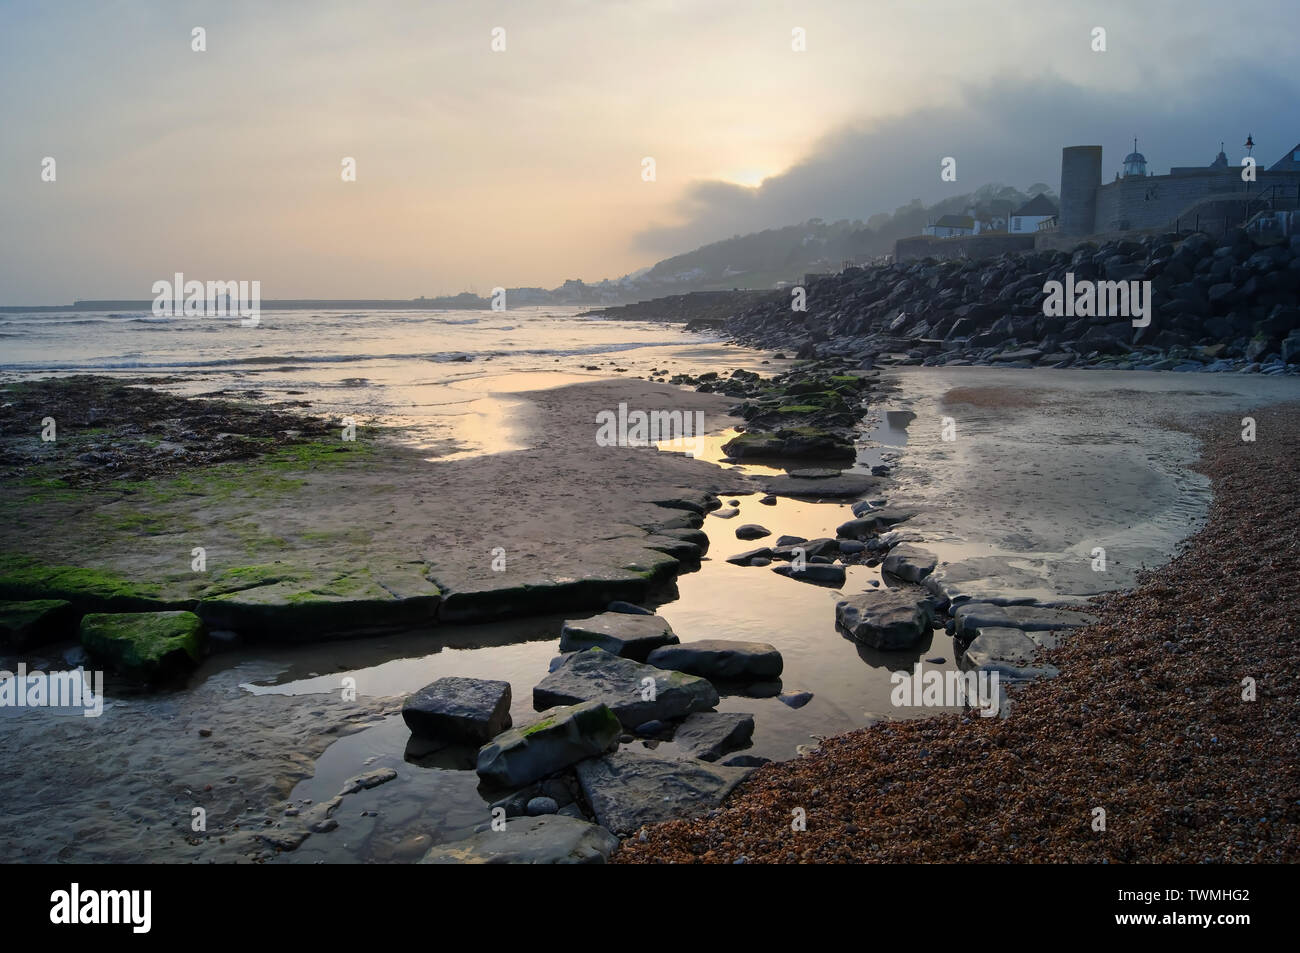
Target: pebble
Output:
[(541, 805)]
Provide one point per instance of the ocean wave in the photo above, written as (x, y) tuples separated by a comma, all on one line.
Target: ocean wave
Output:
[(140, 360)]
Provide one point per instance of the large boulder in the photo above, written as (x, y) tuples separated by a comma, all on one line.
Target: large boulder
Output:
[(708, 735), (908, 562), (635, 693), (721, 659), (872, 522), (558, 738), (149, 646), (619, 633), (550, 839), (889, 619), (459, 710), (627, 790), (823, 574)]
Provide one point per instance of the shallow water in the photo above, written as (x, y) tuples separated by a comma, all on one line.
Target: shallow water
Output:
[(444, 377), (851, 684), (1092, 461), (1070, 460)]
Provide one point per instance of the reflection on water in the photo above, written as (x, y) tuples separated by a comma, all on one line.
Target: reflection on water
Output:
[(438, 796), (893, 428)]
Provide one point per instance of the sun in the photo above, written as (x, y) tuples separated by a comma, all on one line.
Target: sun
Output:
[(749, 178)]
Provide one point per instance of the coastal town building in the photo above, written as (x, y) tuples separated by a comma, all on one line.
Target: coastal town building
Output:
[(1206, 197), (950, 226), (1033, 215)]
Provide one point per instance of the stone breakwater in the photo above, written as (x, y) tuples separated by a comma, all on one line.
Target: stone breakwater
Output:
[(1221, 303)]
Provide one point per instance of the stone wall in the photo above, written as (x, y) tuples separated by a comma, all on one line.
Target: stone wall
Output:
[(1156, 201), (967, 246)]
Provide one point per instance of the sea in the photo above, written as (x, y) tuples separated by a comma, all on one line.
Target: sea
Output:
[(439, 376)]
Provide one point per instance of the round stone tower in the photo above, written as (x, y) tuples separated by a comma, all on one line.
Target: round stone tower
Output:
[(1080, 179)]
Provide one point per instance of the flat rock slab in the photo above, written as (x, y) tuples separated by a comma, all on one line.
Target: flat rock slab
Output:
[(873, 522), (620, 683), (560, 737), (457, 710), (1010, 652), (308, 605), (619, 633), (815, 473), (994, 579), (722, 659), (685, 534), (971, 616), (909, 562), (752, 531), (888, 619), (550, 839), (846, 484), (822, 546), (627, 790), (708, 735), (745, 558), (683, 550), (820, 573)]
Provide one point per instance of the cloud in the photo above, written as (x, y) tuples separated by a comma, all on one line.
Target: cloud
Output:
[(1009, 130)]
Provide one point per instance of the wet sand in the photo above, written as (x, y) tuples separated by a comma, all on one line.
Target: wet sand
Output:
[(1170, 736), (1048, 465), (1036, 454)]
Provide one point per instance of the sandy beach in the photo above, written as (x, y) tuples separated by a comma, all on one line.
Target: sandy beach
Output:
[(264, 741)]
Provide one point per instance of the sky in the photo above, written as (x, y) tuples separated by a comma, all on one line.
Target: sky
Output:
[(524, 166)]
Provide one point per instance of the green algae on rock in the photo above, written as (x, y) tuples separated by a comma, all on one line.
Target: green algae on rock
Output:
[(150, 646), (791, 443), (35, 621), (25, 579), (562, 736)]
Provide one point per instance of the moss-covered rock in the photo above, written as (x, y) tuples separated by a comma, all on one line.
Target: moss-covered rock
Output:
[(36, 621), (89, 590), (150, 646), (300, 606), (560, 737), (793, 443)]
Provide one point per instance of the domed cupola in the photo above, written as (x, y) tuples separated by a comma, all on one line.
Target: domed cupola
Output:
[(1135, 163)]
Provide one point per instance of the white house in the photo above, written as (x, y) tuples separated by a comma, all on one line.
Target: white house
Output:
[(1031, 215), (952, 225)]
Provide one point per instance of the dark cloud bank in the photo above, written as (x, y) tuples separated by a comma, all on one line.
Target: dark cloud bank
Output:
[(1009, 131)]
